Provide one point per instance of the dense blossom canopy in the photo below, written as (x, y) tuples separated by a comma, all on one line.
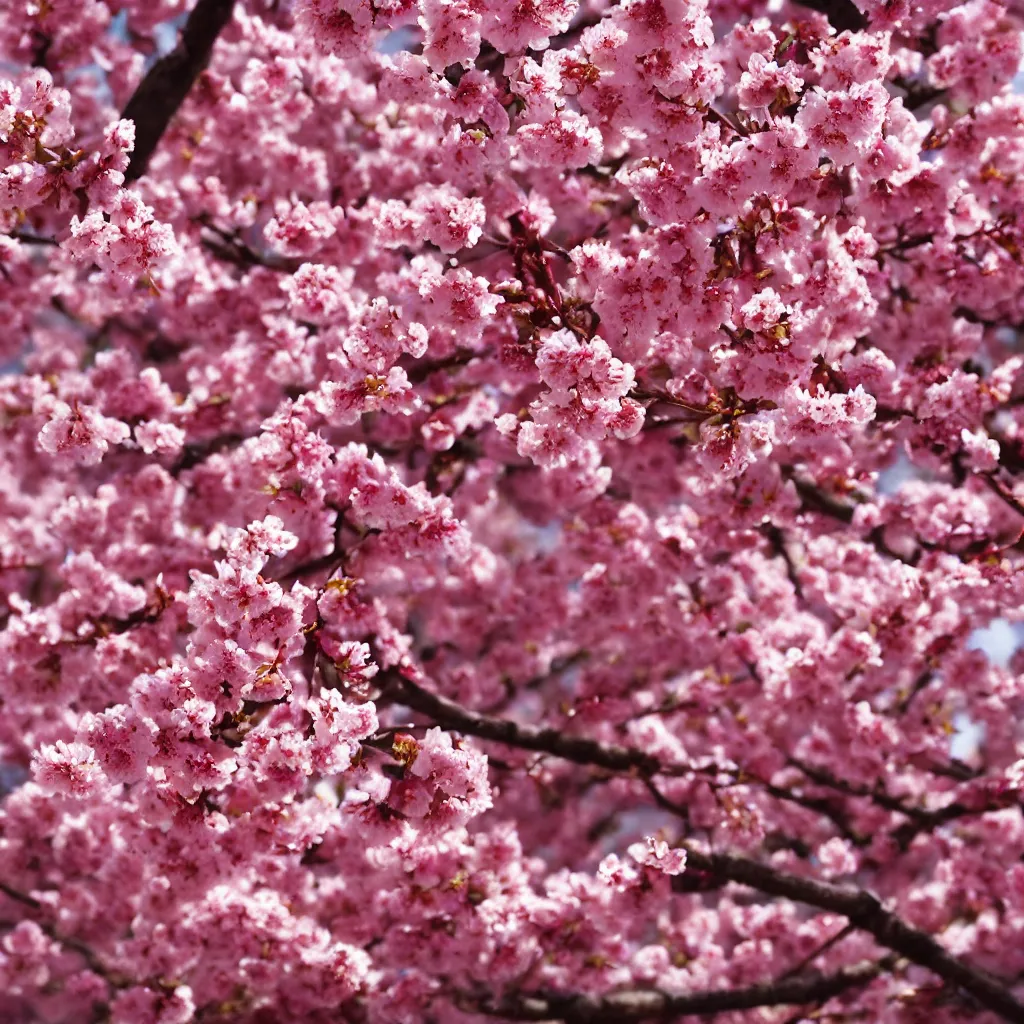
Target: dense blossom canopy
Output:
[(499, 500)]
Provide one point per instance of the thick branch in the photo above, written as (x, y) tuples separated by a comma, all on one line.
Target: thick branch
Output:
[(577, 749), (625, 1007), (842, 14), (168, 81), (865, 911)]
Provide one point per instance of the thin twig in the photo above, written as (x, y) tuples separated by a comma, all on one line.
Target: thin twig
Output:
[(96, 965), (842, 15)]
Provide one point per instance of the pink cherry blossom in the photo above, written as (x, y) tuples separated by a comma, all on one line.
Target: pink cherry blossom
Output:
[(511, 510)]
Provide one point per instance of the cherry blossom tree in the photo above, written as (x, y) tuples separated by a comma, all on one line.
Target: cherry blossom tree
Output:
[(500, 502)]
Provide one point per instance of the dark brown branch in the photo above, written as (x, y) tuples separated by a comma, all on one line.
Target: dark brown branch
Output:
[(1002, 492), (816, 500), (919, 819), (581, 750), (95, 964), (823, 777), (548, 740), (230, 247), (842, 14), (828, 944), (819, 805), (777, 540), (921, 683), (199, 451), (29, 238), (865, 911), (821, 502), (165, 86), (919, 96), (634, 1006)]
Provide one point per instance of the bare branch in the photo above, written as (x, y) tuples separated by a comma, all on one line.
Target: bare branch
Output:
[(165, 86)]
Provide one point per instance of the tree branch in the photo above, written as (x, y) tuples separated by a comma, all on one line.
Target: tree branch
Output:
[(842, 14), (577, 749), (920, 819), (635, 1006), (165, 86), (230, 247), (1003, 492), (821, 502), (863, 909), (95, 964)]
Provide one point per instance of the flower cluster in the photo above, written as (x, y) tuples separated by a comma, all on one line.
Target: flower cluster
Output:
[(512, 509)]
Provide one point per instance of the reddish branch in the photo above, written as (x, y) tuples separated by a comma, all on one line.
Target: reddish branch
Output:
[(168, 81)]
